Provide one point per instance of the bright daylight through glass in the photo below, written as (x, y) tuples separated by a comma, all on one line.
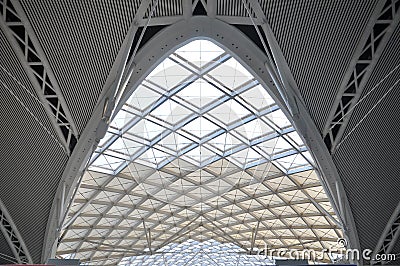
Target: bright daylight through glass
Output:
[(199, 161)]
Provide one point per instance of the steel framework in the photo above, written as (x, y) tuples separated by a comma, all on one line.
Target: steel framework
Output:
[(20, 34), (142, 65), (13, 237), (381, 26), (96, 195), (389, 237), (93, 133)]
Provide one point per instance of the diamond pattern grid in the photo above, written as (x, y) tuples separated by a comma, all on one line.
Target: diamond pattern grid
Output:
[(194, 157)]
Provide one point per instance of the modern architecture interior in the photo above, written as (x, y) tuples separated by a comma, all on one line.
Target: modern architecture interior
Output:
[(199, 132)]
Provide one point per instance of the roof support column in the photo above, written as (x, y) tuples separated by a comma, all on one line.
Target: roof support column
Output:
[(93, 133), (281, 74), (187, 9)]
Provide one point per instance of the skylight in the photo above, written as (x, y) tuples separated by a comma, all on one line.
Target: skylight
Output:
[(199, 154), (192, 252)]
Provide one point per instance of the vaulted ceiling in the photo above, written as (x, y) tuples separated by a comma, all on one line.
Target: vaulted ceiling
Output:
[(61, 62)]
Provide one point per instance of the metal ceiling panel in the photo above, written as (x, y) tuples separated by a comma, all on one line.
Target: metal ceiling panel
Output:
[(81, 41), (167, 8), (32, 161), (231, 8), (368, 158), (318, 39), (220, 175)]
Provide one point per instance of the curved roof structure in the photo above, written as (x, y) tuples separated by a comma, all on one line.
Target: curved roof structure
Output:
[(68, 68), (199, 151)]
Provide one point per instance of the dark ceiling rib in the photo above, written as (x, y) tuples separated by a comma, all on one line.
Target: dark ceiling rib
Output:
[(19, 33), (13, 237), (389, 236), (379, 30), (6, 255)]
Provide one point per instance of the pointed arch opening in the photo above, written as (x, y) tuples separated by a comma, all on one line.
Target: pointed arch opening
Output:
[(200, 152)]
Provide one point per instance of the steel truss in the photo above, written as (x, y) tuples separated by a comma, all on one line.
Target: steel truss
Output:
[(13, 237), (381, 26), (20, 34), (389, 237), (28, 43)]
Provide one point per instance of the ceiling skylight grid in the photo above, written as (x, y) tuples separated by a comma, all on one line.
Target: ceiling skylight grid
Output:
[(200, 151)]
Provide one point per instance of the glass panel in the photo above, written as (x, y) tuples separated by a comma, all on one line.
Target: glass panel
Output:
[(279, 119), (142, 98), (199, 165), (200, 93), (200, 127), (175, 142), (254, 129), (293, 161), (146, 129), (229, 112), (199, 52), (258, 97), (200, 154), (231, 74), (224, 142), (168, 75), (171, 112), (121, 119)]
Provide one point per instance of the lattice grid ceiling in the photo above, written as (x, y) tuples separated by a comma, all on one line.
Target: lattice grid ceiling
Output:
[(200, 151)]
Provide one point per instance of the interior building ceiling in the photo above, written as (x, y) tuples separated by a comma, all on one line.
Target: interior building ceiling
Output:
[(200, 150), (79, 43)]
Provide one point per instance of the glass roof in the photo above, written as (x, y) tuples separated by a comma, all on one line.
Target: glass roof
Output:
[(200, 153), (192, 252)]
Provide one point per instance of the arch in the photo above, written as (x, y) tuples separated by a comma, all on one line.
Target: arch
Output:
[(249, 55)]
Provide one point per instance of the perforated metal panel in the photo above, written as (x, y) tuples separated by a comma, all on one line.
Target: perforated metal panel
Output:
[(81, 41), (368, 158), (32, 162), (318, 39)]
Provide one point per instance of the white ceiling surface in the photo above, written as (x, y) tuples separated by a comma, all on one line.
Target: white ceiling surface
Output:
[(318, 42)]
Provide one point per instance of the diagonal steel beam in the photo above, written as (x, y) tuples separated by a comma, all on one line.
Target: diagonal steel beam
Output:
[(282, 76), (13, 237), (92, 134), (116, 74), (389, 236), (211, 9), (187, 8), (20, 34), (279, 68), (385, 18)]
